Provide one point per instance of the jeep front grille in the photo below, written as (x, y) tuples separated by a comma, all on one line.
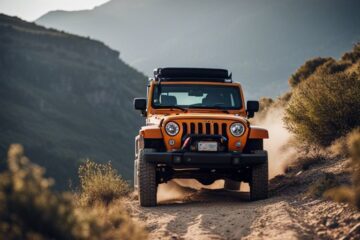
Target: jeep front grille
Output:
[(204, 128)]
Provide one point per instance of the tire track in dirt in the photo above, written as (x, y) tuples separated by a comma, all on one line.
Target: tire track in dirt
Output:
[(220, 214)]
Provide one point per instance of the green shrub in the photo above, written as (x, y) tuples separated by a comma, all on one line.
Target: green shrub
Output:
[(352, 56), (306, 70), (324, 107), (333, 67), (100, 183)]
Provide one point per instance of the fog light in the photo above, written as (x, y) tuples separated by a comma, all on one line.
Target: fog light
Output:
[(236, 161), (238, 144), (171, 142), (177, 159)]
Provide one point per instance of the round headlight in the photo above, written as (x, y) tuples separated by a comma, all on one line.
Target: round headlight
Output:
[(237, 129), (172, 128)]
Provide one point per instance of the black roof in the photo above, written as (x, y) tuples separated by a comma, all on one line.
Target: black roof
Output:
[(193, 74)]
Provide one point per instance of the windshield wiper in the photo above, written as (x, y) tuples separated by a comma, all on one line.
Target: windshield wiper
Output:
[(220, 108), (215, 106), (175, 107)]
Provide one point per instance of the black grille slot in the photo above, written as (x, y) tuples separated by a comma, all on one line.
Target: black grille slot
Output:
[(204, 128), (185, 130), (223, 129), (208, 128), (200, 129), (216, 128), (192, 128)]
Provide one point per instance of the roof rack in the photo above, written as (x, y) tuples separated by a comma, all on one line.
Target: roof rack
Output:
[(192, 74)]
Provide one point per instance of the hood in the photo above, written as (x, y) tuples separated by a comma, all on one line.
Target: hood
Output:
[(159, 119), (205, 116)]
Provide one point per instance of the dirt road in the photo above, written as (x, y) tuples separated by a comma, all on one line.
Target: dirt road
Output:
[(220, 214)]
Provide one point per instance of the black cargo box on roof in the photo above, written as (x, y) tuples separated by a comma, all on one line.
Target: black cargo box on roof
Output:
[(193, 74)]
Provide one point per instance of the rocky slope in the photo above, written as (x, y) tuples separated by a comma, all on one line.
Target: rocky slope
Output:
[(65, 98)]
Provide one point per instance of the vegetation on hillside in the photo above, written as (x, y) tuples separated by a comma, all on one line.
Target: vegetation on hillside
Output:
[(322, 111), (306, 70), (100, 183), (324, 102), (65, 98), (350, 148), (30, 209), (324, 107)]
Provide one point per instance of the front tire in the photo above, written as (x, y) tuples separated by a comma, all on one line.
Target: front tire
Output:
[(259, 182), (147, 185)]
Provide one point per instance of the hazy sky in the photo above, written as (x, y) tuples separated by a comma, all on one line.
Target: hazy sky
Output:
[(30, 10)]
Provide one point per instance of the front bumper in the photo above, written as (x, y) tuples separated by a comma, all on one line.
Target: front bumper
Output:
[(206, 159)]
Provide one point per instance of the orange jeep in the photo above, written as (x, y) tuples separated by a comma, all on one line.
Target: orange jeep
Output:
[(197, 127)]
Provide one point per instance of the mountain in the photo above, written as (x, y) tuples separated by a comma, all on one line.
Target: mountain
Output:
[(261, 41), (66, 98)]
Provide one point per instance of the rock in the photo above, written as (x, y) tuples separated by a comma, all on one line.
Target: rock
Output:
[(323, 220), (321, 233), (332, 224), (355, 230)]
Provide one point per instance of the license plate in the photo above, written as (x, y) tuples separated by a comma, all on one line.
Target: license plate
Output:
[(208, 146)]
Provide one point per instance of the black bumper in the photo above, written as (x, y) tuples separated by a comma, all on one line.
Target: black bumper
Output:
[(206, 159)]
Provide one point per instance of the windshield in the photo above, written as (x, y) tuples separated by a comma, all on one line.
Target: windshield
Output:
[(196, 96)]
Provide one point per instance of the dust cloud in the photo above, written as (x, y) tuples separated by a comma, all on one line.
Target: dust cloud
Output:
[(180, 189), (171, 191), (281, 152)]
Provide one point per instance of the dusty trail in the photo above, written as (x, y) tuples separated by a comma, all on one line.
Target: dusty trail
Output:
[(220, 214)]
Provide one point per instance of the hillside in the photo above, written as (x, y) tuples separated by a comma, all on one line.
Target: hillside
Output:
[(65, 98), (262, 42)]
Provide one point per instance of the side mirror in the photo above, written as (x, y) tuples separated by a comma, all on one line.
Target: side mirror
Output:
[(140, 104), (251, 108)]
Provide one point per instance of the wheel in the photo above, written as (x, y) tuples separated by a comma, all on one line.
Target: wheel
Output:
[(147, 185), (232, 185), (259, 182), (136, 182)]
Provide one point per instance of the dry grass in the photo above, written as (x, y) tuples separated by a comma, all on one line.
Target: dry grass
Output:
[(111, 222), (100, 183), (350, 147), (325, 182), (340, 194), (354, 149), (30, 209)]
